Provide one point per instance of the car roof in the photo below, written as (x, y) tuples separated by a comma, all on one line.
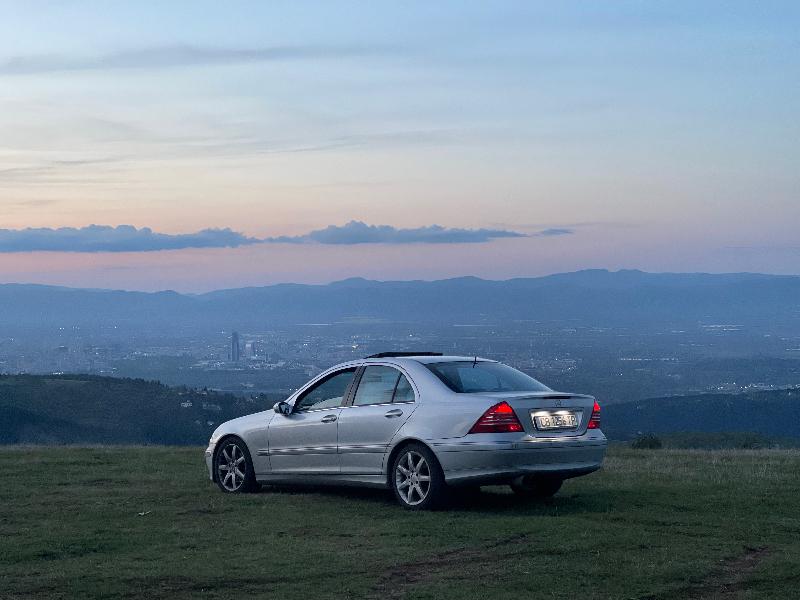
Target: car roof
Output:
[(425, 360)]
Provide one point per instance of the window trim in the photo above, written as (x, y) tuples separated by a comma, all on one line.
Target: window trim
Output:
[(413, 390), (350, 402), (321, 381)]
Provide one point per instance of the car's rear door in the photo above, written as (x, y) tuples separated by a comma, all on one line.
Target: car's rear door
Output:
[(305, 440), (384, 398)]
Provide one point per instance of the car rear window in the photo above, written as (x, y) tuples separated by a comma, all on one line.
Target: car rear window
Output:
[(468, 377)]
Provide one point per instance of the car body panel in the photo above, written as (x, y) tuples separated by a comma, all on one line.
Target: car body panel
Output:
[(365, 434), (366, 431), (356, 447), (493, 459), (252, 429), (304, 442)]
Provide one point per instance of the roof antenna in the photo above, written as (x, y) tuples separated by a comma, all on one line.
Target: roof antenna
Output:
[(475, 362)]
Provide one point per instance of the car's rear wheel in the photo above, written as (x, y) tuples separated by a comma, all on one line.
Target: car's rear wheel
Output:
[(532, 486), (417, 479), (234, 467)]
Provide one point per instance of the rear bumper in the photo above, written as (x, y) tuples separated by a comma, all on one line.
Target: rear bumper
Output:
[(488, 461)]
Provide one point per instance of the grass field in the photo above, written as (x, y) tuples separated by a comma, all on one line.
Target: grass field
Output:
[(145, 523)]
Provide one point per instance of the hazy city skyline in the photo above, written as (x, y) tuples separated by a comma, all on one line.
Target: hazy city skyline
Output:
[(540, 138)]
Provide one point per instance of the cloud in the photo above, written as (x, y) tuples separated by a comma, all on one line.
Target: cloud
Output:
[(48, 169), (356, 232), (179, 56), (124, 238), (553, 231)]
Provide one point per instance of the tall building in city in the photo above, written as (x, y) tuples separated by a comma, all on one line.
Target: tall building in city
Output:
[(235, 346)]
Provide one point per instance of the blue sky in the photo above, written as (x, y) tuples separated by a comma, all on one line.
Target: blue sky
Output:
[(658, 135)]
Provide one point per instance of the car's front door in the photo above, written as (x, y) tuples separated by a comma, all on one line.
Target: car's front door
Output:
[(305, 441), (383, 401)]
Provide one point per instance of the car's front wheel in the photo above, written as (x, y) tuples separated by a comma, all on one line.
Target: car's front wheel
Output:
[(417, 479), (234, 467), (536, 487)]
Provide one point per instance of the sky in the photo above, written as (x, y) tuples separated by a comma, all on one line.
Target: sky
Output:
[(205, 145)]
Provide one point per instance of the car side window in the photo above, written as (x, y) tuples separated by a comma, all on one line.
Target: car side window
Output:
[(403, 392), (376, 386), (329, 393)]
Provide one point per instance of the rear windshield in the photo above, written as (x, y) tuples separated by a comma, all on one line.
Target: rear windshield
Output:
[(468, 377)]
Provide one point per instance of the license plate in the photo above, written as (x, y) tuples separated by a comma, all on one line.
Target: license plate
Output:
[(556, 421)]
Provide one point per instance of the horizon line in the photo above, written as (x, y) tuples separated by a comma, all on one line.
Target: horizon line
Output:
[(390, 281)]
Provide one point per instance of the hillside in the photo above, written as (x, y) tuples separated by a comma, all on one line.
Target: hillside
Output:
[(81, 409), (595, 297), (773, 414), (123, 523), (84, 409)]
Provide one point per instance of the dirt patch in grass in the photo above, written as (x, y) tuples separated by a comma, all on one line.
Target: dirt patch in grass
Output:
[(394, 583), (727, 581)]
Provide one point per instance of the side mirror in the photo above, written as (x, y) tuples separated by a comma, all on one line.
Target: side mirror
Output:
[(282, 408)]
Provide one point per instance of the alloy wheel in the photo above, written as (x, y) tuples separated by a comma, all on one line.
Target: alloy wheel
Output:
[(231, 467), (413, 478)]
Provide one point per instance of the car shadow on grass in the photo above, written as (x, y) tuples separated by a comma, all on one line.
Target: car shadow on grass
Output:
[(491, 499), (495, 500)]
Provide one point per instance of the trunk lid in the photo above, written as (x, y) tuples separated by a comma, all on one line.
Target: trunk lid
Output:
[(530, 405)]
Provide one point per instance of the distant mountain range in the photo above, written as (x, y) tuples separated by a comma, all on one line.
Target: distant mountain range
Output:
[(594, 297)]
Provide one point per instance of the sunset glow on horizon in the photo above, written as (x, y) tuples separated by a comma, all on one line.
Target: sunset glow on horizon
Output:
[(538, 137)]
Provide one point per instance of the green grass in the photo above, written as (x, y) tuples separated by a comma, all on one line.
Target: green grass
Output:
[(665, 524)]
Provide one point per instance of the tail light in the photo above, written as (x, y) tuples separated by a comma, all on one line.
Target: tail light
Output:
[(501, 418), (594, 420)]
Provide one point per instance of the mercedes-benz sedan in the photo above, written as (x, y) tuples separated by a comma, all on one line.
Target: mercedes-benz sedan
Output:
[(423, 425)]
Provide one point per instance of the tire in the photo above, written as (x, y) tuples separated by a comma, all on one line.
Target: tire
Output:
[(233, 467), (537, 487), (417, 479)]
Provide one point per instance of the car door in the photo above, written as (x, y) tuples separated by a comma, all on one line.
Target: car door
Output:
[(305, 440), (382, 402)]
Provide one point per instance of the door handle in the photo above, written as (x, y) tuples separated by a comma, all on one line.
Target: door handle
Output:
[(393, 413), (328, 418)]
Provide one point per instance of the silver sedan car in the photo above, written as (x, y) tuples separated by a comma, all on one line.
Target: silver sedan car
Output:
[(423, 425)]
